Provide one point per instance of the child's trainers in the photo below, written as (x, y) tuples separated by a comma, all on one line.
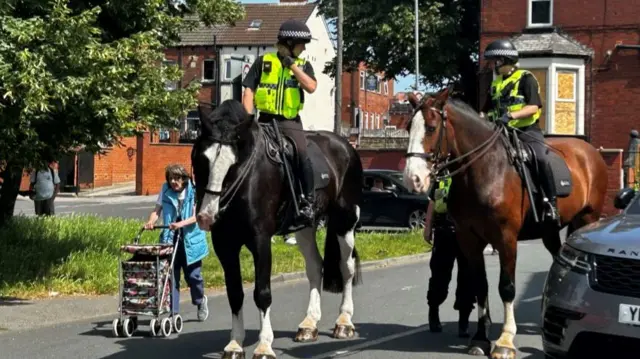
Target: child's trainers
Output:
[(203, 310)]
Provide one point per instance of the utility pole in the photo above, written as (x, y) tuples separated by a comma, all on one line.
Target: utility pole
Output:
[(338, 93), (417, 47)]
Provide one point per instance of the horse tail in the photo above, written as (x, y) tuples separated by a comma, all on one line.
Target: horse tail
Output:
[(344, 219)]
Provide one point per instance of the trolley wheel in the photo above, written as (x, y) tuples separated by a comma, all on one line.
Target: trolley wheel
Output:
[(166, 327), (177, 323), (117, 327), (155, 327), (127, 328)]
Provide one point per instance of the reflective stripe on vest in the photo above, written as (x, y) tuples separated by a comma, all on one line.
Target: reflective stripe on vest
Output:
[(512, 101), (278, 92), (441, 195)]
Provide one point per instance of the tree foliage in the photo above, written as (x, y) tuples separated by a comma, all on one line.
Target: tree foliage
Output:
[(87, 72), (381, 33)]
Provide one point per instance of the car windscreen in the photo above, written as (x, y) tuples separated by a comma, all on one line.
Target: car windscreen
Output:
[(634, 206)]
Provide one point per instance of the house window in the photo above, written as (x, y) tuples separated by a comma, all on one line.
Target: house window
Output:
[(227, 69), (380, 85), (540, 13), (208, 70), (366, 120), (565, 121), (378, 124), (386, 87), (361, 80), (170, 85)]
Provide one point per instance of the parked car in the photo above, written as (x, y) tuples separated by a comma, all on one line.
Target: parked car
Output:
[(591, 297), (388, 203)]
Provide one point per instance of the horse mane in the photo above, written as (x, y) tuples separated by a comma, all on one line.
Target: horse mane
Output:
[(469, 114), (220, 123)]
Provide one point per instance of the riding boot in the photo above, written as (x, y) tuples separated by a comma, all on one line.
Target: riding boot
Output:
[(307, 200), (463, 323), (434, 320), (550, 189)]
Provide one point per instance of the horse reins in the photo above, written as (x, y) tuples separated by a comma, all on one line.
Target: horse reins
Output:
[(438, 166)]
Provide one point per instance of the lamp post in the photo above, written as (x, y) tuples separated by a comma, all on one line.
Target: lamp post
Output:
[(417, 44)]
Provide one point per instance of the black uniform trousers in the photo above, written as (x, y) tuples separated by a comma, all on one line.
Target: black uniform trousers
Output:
[(443, 254)]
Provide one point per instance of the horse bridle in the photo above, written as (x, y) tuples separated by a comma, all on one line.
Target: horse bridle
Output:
[(441, 162), (229, 193)]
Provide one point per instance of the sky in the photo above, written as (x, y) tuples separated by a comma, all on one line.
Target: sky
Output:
[(400, 85)]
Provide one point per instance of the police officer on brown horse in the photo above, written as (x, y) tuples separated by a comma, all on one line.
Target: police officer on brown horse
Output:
[(515, 102), (275, 83)]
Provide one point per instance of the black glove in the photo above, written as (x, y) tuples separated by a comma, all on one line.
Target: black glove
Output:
[(287, 61), (505, 119), (252, 117)]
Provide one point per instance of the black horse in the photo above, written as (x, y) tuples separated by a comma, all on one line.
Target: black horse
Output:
[(244, 199)]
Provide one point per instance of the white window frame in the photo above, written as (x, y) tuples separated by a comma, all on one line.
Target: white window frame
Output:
[(362, 80), (530, 23), (366, 120), (553, 66), (386, 87), (215, 70)]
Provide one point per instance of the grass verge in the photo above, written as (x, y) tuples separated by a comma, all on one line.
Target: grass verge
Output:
[(78, 255)]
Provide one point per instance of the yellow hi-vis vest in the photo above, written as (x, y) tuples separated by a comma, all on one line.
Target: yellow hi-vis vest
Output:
[(441, 195), (278, 92), (512, 101)]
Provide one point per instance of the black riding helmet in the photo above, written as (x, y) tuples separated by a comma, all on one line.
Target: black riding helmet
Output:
[(502, 50), (295, 31)]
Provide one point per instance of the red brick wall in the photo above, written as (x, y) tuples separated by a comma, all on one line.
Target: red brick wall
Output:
[(182, 56), (116, 166), (614, 172), (383, 159), (151, 160), (368, 101)]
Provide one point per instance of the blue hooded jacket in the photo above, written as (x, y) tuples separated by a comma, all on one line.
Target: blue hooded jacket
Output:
[(195, 239)]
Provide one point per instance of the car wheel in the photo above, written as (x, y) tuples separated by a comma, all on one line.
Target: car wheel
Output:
[(417, 219)]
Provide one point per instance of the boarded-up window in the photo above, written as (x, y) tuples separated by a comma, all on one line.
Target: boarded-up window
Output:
[(566, 103), (541, 76)]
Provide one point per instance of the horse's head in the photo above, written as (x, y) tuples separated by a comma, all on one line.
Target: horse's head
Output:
[(427, 142), (226, 133)]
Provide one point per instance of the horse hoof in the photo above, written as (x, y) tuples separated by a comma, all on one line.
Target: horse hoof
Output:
[(343, 332), (263, 356), (503, 353), (306, 335), (233, 355), (480, 348)]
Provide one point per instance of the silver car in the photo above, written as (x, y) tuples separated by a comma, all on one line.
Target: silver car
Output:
[(591, 297)]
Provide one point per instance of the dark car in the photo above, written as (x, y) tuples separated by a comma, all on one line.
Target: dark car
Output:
[(591, 297), (388, 203)]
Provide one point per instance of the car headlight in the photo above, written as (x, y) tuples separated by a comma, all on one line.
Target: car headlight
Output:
[(574, 259)]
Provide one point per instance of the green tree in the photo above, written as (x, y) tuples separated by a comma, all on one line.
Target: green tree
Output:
[(381, 33), (87, 72)]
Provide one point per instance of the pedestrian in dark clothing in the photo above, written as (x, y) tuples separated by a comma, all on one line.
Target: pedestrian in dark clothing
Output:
[(443, 254)]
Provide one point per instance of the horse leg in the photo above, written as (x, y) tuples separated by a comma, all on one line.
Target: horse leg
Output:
[(308, 328), (480, 343), (230, 260), (504, 347), (341, 267), (262, 296)]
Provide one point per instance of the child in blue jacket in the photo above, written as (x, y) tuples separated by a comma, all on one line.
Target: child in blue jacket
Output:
[(176, 205)]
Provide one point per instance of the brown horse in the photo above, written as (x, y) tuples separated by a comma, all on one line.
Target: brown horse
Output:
[(488, 199)]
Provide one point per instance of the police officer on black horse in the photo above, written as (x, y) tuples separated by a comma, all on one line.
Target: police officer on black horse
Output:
[(515, 101), (275, 84), (444, 253)]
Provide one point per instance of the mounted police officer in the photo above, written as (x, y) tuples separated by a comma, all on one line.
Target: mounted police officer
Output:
[(444, 252), (275, 84), (515, 101)]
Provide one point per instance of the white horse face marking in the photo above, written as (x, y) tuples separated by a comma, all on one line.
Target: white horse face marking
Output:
[(221, 158), (417, 171)]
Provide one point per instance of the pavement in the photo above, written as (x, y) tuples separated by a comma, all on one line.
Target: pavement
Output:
[(390, 317)]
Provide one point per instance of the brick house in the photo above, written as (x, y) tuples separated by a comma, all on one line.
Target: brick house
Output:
[(585, 56)]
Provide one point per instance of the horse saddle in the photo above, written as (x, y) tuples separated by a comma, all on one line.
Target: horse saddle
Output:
[(318, 160), (559, 169)]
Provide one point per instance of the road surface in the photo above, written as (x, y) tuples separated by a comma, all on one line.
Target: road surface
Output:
[(137, 207), (390, 317)]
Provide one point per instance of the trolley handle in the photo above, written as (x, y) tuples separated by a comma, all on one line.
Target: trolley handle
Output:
[(135, 240)]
